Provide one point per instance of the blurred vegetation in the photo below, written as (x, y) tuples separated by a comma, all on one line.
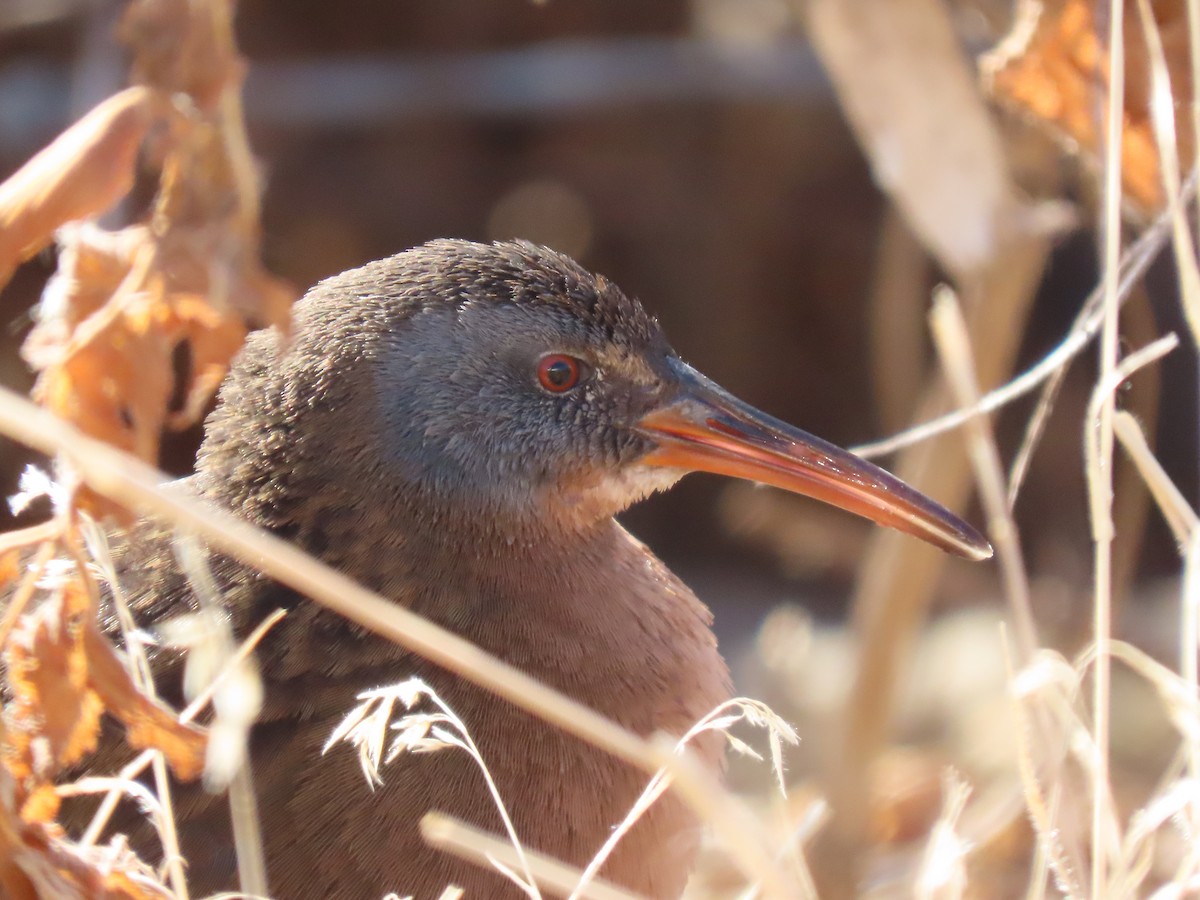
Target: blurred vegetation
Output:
[(707, 156)]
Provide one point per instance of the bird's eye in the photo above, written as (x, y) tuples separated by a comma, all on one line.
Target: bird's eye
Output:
[(558, 373)]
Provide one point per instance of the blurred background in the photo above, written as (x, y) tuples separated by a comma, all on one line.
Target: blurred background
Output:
[(697, 153)]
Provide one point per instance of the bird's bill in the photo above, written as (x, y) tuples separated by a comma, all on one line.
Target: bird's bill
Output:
[(707, 429)]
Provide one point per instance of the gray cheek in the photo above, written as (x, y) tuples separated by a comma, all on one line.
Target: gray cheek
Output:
[(453, 411)]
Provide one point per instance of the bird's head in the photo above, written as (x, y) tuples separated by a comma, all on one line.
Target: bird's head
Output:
[(507, 382)]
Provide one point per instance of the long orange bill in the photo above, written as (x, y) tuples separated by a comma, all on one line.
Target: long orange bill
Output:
[(707, 429)]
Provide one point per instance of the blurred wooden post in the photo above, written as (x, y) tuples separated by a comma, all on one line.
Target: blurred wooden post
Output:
[(899, 294), (912, 97)]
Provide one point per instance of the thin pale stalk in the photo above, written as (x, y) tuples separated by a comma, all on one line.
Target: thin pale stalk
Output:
[(954, 347), (25, 537), (1105, 830), (1034, 429), (1175, 509), (1043, 813), (247, 832), (20, 599), (1162, 117), (510, 829), (144, 679), (1099, 468), (444, 832), (942, 873), (135, 767), (1086, 326), (97, 546), (809, 824), (703, 793), (1039, 872), (658, 785), (1189, 649)]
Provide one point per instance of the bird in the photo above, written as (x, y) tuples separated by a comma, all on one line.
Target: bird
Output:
[(456, 426)]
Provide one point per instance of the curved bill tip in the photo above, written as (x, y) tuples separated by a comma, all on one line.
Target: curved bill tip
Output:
[(707, 429)]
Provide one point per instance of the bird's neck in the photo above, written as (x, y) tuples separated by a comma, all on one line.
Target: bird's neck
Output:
[(388, 533)]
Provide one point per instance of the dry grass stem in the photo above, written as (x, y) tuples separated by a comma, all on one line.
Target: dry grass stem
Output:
[(27, 537), (366, 727), (721, 719), (737, 827), (954, 347), (815, 816), (1178, 697), (1098, 446), (1176, 510), (1086, 326), (247, 832), (102, 565), (943, 874), (1162, 109), (208, 638), (476, 846), (1189, 645), (1029, 690), (138, 764), (129, 787), (1035, 427)]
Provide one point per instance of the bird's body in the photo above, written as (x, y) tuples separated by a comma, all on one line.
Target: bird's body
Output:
[(455, 427), (329, 834)]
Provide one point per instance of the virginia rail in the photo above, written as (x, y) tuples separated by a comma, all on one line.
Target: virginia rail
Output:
[(456, 426)]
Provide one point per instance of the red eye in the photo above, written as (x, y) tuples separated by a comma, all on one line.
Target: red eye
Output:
[(558, 373)]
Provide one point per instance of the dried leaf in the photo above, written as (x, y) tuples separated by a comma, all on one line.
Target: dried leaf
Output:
[(83, 172), (114, 379), (38, 863), (41, 806), (92, 264), (123, 305), (112, 374), (913, 101), (1053, 66), (10, 563), (63, 674), (213, 340), (148, 723), (54, 716)]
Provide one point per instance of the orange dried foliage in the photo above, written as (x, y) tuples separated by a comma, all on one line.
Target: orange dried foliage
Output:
[(36, 861), (9, 566), (41, 806), (1054, 67), (114, 377), (81, 174), (147, 722), (53, 718), (106, 346), (122, 304), (62, 674)]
